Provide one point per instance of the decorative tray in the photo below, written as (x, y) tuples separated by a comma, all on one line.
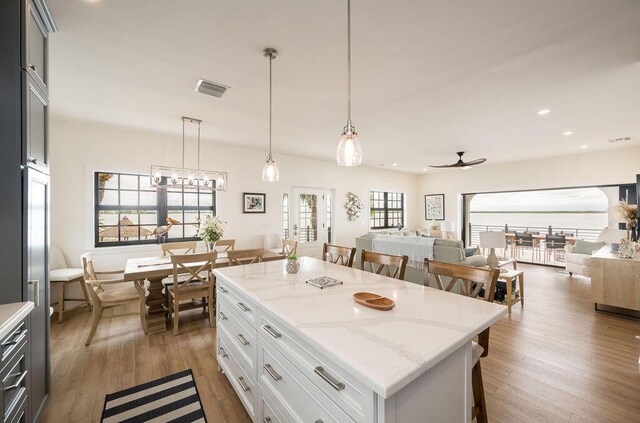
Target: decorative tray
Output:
[(374, 301), (324, 282)]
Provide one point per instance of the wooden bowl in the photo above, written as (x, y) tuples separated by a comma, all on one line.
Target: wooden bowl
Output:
[(374, 301)]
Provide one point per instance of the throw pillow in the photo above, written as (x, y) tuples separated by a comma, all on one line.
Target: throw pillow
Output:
[(470, 252), (587, 247)]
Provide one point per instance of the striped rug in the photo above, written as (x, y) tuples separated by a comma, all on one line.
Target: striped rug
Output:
[(172, 398)]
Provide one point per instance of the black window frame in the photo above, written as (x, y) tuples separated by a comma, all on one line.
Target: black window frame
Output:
[(161, 208), (385, 209)]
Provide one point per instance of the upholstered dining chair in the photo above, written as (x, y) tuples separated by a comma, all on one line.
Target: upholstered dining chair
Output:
[(393, 266), (240, 257), (128, 293), (198, 285), (171, 248), (338, 255), (473, 280), (60, 276)]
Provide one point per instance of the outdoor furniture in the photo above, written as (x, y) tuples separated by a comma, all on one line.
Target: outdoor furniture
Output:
[(554, 246), (338, 255), (474, 279), (61, 275), (394, 266), (525, 241), (130, 293), (199, 284)]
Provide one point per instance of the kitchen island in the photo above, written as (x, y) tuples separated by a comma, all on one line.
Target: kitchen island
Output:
[(297, 353)]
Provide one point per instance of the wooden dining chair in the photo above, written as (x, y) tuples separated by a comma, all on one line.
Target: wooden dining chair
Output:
[(475, 279), (171, 248), (240, 257), (224, 245), (289, 246), (393, 266), (338, 255), (101, 298), (198, 285)]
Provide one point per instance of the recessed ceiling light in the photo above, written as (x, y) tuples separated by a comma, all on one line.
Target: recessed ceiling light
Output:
[(567, 133), (543, 111), (584, 146), (424, 170), (395, 164)]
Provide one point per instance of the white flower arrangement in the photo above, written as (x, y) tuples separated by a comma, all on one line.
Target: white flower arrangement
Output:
[(353, 206), (211, 230)]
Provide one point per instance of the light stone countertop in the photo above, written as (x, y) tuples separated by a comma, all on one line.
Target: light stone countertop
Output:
[(12, 314), (385, 350)]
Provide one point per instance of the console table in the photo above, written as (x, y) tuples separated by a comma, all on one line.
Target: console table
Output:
[(615, 281)]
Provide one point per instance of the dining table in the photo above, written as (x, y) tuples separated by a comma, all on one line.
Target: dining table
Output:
[(155, 270)]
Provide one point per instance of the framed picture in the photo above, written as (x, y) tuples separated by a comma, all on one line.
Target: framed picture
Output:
[(434, 207), (254, 202)]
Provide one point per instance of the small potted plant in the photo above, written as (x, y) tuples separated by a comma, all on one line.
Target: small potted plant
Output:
[(293, 264)]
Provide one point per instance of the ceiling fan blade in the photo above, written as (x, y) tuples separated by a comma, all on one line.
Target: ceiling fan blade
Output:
[(475, 162), (443, 166)]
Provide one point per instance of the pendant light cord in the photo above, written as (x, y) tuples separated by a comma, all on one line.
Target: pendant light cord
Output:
[(270, 101), (183, 147), (199, 123), (349, 62)]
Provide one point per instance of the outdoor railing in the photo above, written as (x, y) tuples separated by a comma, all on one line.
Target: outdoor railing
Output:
[(580, 233)]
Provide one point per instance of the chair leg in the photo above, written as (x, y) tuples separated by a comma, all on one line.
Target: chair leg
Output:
[(97, 315), (60, 301), (176, 315), (84, 292), (480, 407)]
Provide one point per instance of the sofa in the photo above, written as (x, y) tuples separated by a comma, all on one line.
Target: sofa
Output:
[(447, 250), (579, 263)]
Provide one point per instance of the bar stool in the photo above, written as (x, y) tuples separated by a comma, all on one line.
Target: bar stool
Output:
[(61, 275)]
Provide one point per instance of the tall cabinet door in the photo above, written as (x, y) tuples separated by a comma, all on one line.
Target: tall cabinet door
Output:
[(36, 125), (37, 234), (36, 46)]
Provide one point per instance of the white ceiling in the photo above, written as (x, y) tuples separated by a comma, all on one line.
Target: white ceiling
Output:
[(429, 77)]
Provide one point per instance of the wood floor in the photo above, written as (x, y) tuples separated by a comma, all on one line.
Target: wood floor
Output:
[(555, 360)]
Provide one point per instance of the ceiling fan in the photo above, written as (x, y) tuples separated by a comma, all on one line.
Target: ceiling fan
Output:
[(461, 163)]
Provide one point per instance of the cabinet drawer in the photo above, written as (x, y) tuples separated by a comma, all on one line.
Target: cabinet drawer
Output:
[(241, 335), (243, 384), (14, 382), (13, 342), (293, 392), (245, 307), (332, 380), (267, 410), (35, 45), (19, 413)]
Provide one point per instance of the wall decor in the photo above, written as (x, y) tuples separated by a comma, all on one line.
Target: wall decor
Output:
[(353, 206), (254, 202), (434, 207)]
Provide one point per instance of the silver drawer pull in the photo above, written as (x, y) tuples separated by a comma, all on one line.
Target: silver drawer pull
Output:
[(243, 307), (242, 339), (338, 386), (271, 331), (267, 420), (222, 289), (32, 67), (222, 316), (222, 353), (243, 384), (272, 372), (15, 337), (17, 382)]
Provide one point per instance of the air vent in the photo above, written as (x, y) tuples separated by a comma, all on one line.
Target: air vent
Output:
[(614, 140), (210, 88)]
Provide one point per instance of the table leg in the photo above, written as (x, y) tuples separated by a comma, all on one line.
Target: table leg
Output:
[(508, 281), (521, 283), (156, 320)]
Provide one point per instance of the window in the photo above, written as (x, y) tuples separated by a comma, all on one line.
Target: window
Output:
[(128, 209), (387, 209)]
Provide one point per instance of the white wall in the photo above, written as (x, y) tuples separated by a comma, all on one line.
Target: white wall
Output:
[(616, 166), (80, 148)]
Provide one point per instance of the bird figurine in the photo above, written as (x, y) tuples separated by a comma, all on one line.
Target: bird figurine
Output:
[(161, 231)]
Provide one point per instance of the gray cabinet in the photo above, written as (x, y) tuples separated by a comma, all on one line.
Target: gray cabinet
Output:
[(35, 44), (36, 125), (37, 207)]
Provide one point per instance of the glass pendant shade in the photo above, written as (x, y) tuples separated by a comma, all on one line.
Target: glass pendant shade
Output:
[(270, 171), (349, 151)]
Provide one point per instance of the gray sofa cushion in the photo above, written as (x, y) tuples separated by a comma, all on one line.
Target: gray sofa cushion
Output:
[(586, 247)]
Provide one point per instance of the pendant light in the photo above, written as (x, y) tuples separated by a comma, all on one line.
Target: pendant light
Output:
[(270, 171), (349, 152)]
